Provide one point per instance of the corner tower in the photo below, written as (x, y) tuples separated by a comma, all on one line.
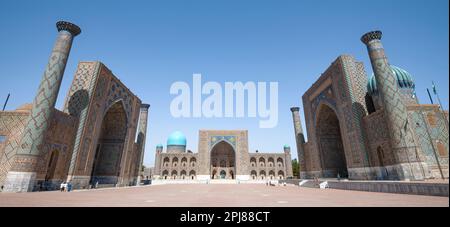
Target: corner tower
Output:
[(157, 168), (300, 141), (142, 134)]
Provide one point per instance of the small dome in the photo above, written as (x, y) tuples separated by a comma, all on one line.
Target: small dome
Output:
[(159, 146), (286, 146), (404, 80), (176, 138)]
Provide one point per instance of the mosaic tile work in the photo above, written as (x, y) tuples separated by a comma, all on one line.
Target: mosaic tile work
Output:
[(45, 99), (385, 134), (104, 91), (12, 125), (223, 154)]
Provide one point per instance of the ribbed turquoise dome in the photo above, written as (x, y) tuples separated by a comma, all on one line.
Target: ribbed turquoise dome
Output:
[(159, 146), (286, 146), (176, 138), (404, 80)]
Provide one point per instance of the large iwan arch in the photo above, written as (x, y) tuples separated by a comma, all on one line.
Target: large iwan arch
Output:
[(110, 146), (225, 167), (331, 148)]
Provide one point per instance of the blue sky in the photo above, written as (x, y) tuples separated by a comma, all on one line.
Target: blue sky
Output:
[(151, 44)]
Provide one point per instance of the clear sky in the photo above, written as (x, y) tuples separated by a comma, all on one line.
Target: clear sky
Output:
[(151, 44)]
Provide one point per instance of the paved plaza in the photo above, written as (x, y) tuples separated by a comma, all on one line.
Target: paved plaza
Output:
[(217, 195)]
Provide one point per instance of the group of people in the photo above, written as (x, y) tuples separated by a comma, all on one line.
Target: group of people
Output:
[(65, 187)]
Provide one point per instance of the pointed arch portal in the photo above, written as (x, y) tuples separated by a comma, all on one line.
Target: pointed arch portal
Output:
[(224, 164), (110, 146), (330, 143)]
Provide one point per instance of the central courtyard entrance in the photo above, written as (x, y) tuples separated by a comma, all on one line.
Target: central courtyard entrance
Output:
[(330, 143), (223, 161), (110, 146)]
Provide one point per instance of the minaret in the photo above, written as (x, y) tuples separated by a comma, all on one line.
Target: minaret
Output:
[(288, 160), (402, 142), (142, 133), (300, 140), (22, 175), (157, 168)]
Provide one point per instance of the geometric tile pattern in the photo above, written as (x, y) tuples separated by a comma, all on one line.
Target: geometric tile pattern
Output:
[(12, 125), (427, 133), (45, 99), (392, 141), (346, 97), (221, 150), (103, 90), (394, 108), (84, 80), (216, 139), (42, 139)]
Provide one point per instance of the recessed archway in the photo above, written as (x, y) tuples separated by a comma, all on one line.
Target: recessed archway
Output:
[(165, 174), (262, 174), (271, 162), (174, 174), (280, 175), (271, 174), (51, 166), (225, 155), (253, 162), (184, 162), (253, 174), (110, 146), (192, 162), (330, 143), (279, 162), (166, 162), (192, 174)]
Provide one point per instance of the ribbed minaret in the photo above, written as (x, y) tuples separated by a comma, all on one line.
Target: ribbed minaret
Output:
[(142, 133), (22, 175), (300, 140), (408, 164)]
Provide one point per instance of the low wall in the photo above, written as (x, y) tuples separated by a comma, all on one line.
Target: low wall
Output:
[(401, 187), (414, 188)]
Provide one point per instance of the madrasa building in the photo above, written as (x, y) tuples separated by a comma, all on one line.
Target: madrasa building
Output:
[(98, 137), (370, 128), (222, 155)]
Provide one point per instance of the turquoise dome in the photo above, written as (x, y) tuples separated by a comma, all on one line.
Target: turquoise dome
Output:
[(159, 146), (404, 80), (176, 138), (286, 146)]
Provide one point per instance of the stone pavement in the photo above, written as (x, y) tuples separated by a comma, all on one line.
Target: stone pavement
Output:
[(217, 195)]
